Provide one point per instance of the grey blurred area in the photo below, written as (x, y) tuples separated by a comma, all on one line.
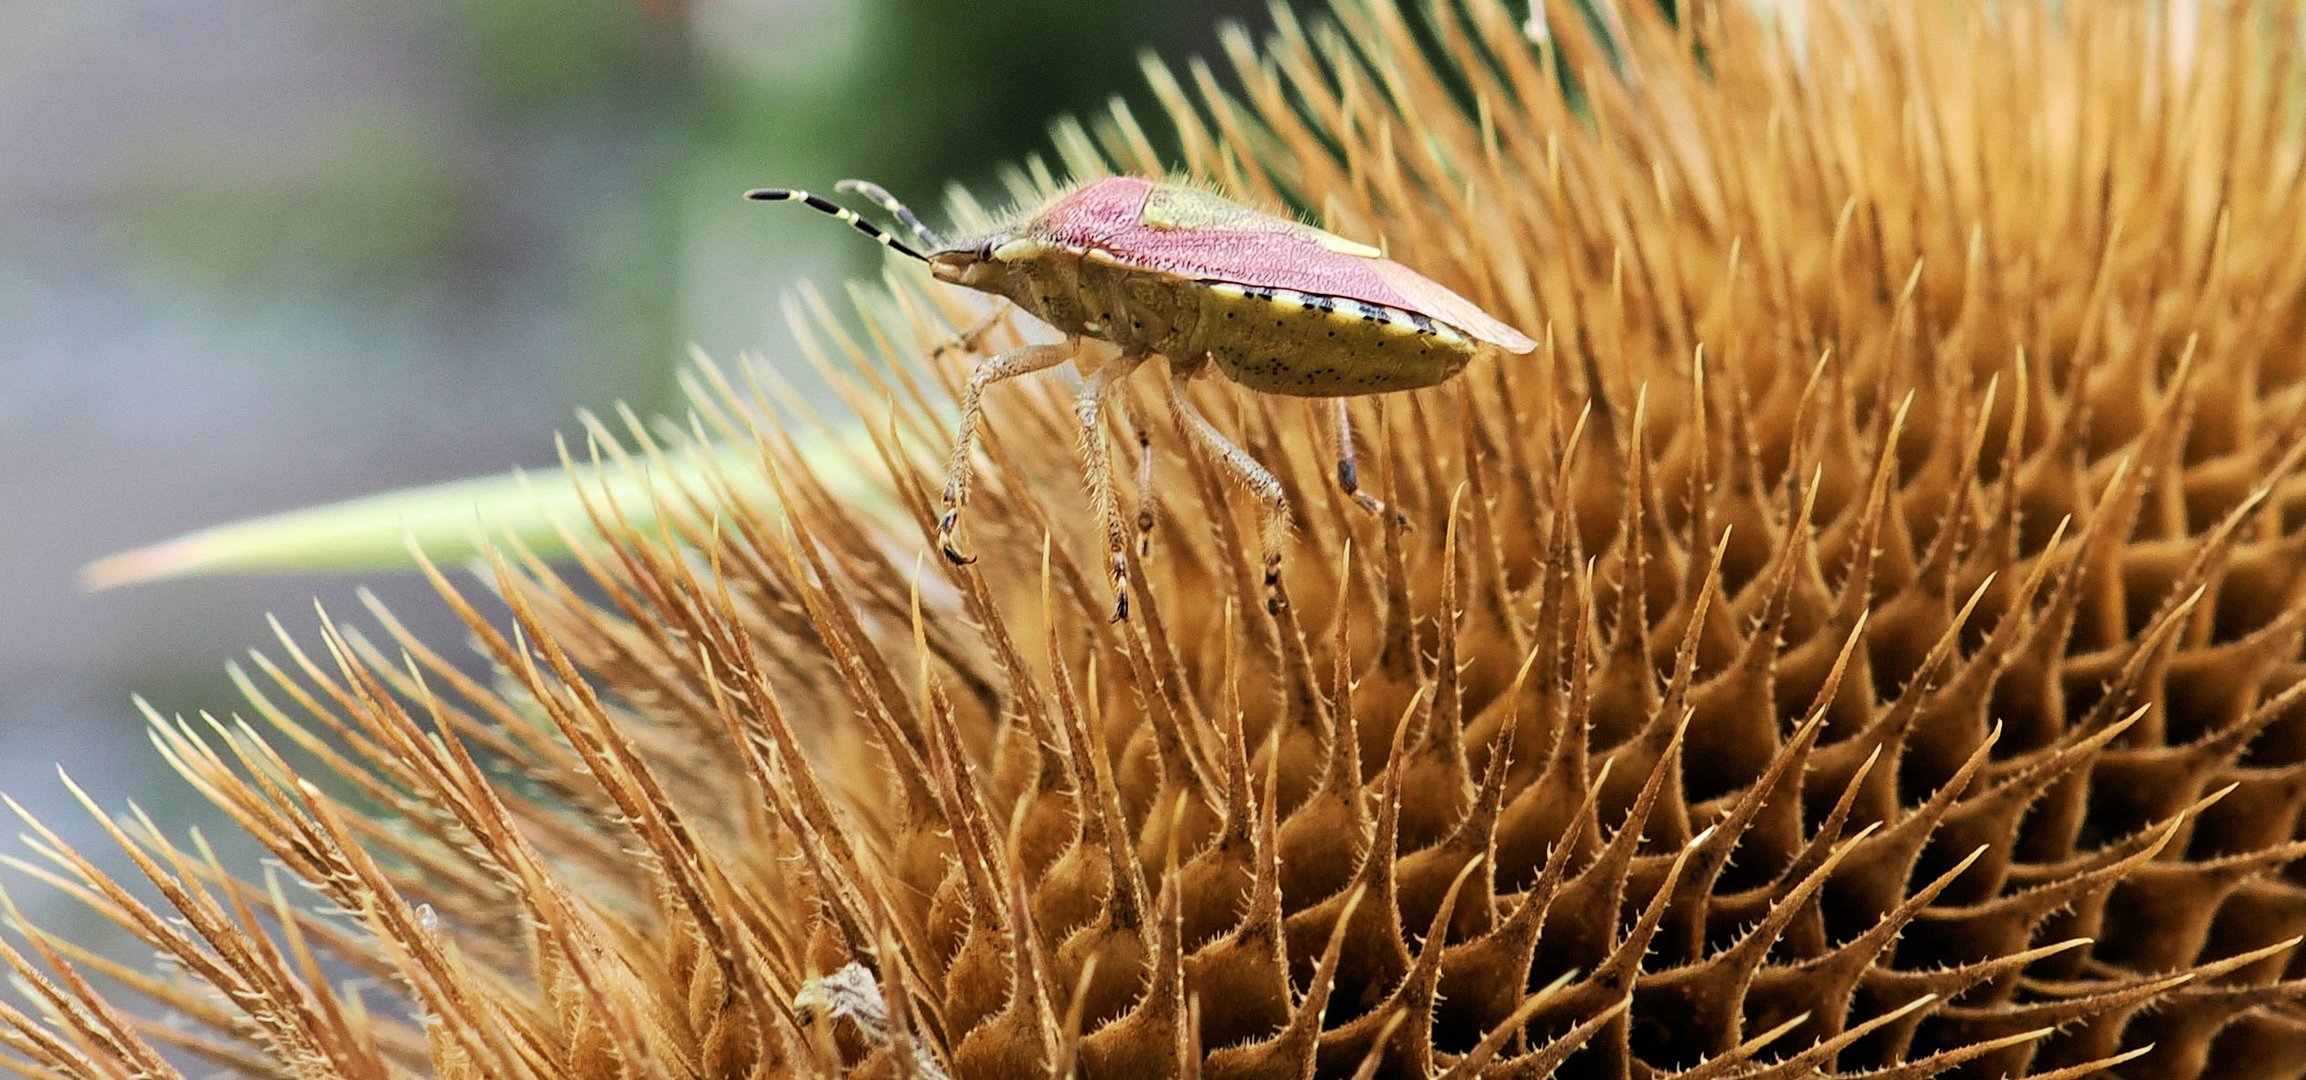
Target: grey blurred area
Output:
[(261, 254)]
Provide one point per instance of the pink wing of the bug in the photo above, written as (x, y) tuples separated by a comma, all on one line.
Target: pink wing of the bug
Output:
[(1196, 235)]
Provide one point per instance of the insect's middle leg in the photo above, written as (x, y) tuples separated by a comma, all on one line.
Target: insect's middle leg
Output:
[(1348, 471), (1097, 460), (1008, 365), (1272, 499), (1144, 436), (1144, 490)]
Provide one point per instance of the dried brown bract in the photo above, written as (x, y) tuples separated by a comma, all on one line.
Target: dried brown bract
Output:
[(1864, 640)]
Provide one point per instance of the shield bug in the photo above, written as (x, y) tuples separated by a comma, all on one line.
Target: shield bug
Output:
[(1161, 269)]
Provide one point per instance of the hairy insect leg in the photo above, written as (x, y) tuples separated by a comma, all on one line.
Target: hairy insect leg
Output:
[(1272, 499), (1144, 436), (1008, 365), (1097, 462), (1144, 490), (1348, 472)]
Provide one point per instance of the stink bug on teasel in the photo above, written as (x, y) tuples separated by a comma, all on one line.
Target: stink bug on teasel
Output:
[(1166, 270)]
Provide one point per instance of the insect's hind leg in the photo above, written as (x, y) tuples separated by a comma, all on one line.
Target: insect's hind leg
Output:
[(1272, 499), (1097, 463), (1008, 365)]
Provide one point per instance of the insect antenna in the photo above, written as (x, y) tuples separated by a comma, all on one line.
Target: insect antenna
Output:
[(881, 197), (826, 206)]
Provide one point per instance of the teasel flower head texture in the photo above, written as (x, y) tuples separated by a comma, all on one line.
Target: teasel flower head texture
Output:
[(1863, 640)]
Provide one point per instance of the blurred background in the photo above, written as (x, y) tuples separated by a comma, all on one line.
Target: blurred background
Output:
[(262, 254)]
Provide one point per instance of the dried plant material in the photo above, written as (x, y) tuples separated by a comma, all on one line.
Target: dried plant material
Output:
[(1865, 640)]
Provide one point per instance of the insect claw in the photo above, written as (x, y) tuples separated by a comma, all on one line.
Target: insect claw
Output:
[(946, 526)]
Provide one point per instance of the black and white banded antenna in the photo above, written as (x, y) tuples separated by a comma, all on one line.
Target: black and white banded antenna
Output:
[(881, 198), (830, 208)]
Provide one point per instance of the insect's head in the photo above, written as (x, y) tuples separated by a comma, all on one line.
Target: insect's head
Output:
[(975, 263)]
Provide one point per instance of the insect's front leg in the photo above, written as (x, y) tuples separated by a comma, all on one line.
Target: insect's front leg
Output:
[(1097, 460), (1272, 499), (1008, 365)]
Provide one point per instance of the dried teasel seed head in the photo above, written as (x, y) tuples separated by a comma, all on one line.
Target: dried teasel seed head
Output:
[(1866, 638)]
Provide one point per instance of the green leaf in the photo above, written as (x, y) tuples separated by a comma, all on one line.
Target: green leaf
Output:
[(448, 522)]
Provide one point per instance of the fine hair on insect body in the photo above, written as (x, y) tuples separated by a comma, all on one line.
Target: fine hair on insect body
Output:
[(1169, 270)]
